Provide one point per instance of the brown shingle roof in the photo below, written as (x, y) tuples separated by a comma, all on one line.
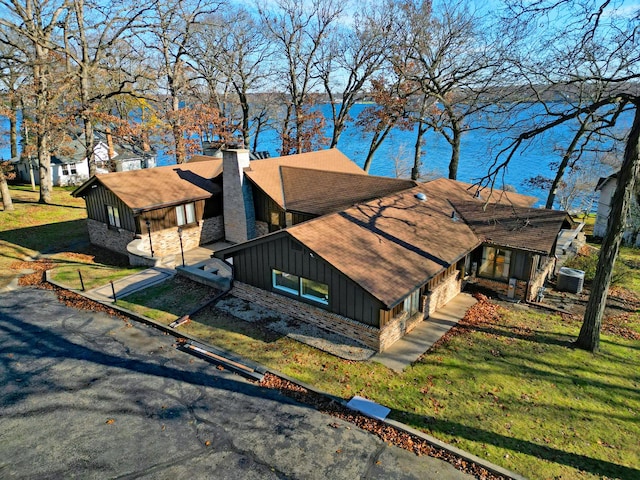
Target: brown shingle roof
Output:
[(321, 192), (152, 188), (395, 244), (533, 229), (392, 245), (266, 173)]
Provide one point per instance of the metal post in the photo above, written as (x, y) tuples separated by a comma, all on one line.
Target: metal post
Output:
[(181, 248), (81, 281), (149, 230), (113, 290)]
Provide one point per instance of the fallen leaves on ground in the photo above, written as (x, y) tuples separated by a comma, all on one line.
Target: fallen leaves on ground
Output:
[(617, 325), (35, 278), (385, 432)]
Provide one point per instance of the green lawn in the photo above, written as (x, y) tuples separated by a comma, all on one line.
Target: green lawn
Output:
[(169, 300), (59, 231), (509, 388)]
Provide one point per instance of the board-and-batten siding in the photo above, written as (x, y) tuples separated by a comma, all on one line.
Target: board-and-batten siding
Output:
[(160, 219), (97, 201), (163, 218), (253, 266)]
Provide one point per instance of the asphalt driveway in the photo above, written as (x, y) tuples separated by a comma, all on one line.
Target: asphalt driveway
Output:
[(86, 395)]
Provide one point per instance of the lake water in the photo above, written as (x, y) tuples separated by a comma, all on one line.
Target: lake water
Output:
[(475, 154)]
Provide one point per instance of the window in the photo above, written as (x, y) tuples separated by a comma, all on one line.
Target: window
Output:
[(186, 214), (495, 263), (316, 291), (303, 287), (286, 282), (114, 216), (69, 169), (412, 302)]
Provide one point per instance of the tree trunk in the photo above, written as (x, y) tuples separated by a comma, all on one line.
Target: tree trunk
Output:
[(244, 104), (417, 157), (13, 126), (455, 149), (589, 337), (563, 166), (178, 136), (44, 164), (4, 191), (376, 141)]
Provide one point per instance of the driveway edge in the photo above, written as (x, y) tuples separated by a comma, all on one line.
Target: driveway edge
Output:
[(256, 372)]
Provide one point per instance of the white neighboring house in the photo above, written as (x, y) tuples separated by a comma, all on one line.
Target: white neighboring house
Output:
[(72, 168), (607, 187)]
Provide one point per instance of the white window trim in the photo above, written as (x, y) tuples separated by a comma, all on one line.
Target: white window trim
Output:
[(185, 211), (113, 216)]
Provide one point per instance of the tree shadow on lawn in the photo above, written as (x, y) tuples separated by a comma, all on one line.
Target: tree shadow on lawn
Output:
[(581, 462), (51, 238)]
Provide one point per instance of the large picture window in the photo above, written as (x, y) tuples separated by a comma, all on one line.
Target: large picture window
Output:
[(303, 287), (495, 263), (316, 291), (113, 215), (186, 214), (286, 282)]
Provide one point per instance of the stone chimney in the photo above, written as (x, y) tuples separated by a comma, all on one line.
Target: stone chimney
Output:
[(239, 215)]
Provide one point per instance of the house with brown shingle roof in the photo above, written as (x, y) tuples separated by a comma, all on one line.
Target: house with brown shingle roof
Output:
[(375, 269), (147, 213), (143, 213), (319, 239)]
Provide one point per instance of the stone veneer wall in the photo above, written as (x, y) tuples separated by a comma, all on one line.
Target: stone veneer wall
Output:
[(115, 239), (370, 336), (167, 242), (442, 294), (540, 278)]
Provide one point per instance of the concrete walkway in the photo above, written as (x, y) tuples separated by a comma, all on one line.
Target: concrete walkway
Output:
[(131, 284), (151, 276), (410, 347)]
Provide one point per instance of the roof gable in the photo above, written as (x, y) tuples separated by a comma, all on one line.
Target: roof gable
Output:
[(320, 192), (153, 188), (532, 229), (266, 174)]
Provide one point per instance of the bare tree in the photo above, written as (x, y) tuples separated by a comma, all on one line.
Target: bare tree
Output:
[(38, 22), (448, 54), (237, 56), (299, 32), (92, 33), (389, 111), (13, 76), (573, 44), (353, 56), (174, 24)]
